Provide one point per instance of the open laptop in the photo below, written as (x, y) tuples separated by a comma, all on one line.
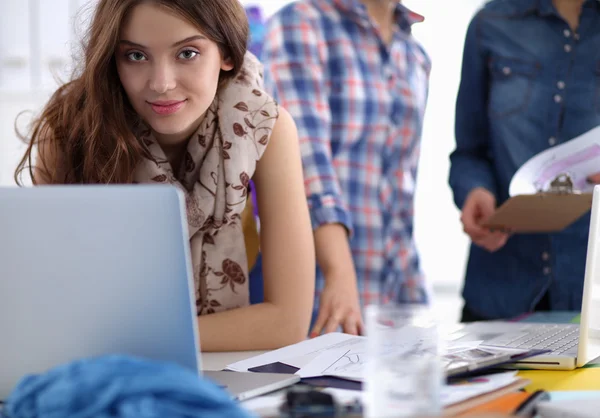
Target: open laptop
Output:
[(93, 270), (570, 345)]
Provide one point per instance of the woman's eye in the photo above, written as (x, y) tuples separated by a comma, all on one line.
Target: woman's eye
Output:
[(136, 56), (188, 54)]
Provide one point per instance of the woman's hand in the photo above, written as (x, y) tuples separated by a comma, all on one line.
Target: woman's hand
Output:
[(478, 208), (339, 304)]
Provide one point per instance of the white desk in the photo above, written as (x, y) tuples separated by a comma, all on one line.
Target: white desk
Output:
[(218, 361)]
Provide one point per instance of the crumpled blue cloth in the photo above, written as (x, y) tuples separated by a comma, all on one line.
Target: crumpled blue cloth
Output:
[(122, 387)]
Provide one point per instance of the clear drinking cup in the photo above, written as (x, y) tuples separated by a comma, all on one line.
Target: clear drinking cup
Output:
[(404, 374)]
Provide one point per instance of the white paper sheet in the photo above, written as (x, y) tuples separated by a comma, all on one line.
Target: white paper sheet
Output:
[(342, 362), (579, 158), (349, 362), (298, 355)]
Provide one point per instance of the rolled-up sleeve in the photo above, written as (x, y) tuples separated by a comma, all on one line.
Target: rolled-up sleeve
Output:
[(294, 57), (470, 165)]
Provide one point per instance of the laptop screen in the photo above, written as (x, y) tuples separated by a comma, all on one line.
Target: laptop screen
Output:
[(589, 339)]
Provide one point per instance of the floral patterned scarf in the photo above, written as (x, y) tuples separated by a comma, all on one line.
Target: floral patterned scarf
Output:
[(220, 160)]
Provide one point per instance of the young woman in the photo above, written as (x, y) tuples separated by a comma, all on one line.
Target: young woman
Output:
[(167, 94)]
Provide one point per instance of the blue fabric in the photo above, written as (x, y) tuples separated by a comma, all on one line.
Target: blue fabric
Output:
[(528, 83), (256, 282), (123, 387)]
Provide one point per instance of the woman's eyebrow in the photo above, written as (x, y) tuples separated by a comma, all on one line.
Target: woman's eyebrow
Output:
[(183, 41)]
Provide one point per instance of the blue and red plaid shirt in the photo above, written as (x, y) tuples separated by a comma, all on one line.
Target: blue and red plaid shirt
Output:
[(358, 104)]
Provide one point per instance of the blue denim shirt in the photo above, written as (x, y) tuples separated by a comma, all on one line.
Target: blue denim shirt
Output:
[(528, 83)]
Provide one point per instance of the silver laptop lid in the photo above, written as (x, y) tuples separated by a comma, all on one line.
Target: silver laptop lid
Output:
[(93, 270), (589, 328)]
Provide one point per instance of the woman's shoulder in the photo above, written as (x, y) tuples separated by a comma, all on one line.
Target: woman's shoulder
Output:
[(505, 8)]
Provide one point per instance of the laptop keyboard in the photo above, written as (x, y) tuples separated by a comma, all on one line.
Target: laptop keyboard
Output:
[(557, 338)]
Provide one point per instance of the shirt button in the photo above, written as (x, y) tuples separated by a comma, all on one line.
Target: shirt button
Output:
[(552, 142), (567, 48), (547, 271), (557, 98), (561, 85), (506, 70), (567, 33), (545, 256), (576, 36)]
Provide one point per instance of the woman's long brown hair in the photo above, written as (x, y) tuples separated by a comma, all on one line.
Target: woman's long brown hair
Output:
[(86, 128)]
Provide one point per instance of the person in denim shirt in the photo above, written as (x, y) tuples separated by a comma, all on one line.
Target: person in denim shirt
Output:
[(530, 81)]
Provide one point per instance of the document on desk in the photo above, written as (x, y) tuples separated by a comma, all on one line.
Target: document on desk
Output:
[(345, 356), (301, 354), (349, 362), (578, 157), (321, 353)]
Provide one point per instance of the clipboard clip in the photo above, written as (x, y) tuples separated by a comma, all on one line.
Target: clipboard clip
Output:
[(562, 184)]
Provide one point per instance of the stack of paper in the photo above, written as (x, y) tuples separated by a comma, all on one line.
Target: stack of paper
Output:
[(344, 356)]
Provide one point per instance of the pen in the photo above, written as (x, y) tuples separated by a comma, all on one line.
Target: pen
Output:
[(528, 407)]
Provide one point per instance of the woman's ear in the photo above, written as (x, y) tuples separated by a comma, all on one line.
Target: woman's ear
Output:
[(226, 64)]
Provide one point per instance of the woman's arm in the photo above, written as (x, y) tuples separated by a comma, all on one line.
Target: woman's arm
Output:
[(470, 165), (288, 257)]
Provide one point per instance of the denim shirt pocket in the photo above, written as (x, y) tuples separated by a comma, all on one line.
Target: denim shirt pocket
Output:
[(511, 84)]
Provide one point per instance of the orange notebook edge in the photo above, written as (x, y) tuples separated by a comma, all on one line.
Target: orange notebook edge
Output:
[(503, 400)]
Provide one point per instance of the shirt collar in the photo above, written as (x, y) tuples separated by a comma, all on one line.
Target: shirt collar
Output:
[(543, 7), (404, 16)]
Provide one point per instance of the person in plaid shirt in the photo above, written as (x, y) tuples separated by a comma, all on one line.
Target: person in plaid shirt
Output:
[(356, 82)]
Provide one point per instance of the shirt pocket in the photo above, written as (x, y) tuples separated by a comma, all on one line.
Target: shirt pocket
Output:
[(511, 85)]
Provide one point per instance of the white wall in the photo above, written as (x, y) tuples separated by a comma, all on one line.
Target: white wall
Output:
[(442, 244), (37, 41)]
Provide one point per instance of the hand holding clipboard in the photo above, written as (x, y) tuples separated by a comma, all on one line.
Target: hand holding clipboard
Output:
[(546, 211)]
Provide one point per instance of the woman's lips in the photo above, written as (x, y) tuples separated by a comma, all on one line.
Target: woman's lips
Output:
[(166, 107)]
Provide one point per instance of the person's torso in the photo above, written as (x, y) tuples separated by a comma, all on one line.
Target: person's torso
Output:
[(543, 90), (377, 97)]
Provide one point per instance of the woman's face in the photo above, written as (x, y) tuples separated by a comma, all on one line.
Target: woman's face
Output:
[(169, 70)]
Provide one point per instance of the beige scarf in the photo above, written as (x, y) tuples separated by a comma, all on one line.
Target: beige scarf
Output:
[(220, 160)]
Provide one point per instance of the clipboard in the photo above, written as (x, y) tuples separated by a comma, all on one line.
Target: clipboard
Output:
[(545, 211)]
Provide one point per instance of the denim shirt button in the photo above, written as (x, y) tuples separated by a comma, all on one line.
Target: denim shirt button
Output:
[(506, 70), (547, 271), (567, 33), (545, 256), (552, 142), (567, 48), (557, 98), (561, 85)]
